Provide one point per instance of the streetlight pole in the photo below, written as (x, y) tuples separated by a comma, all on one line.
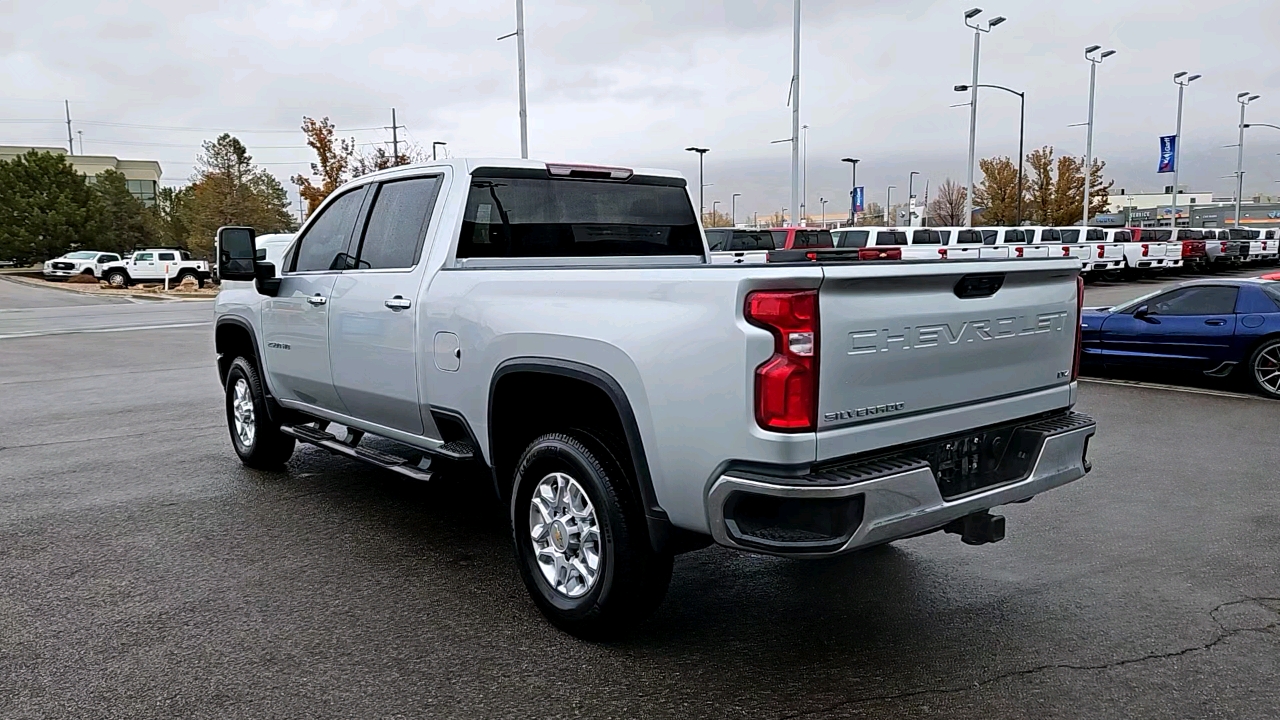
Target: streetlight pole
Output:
[(1244, 99), (888, 205), (1094, 62), (853, 187), (1022, 127), (804, 173), (524, 110), (1182, 81), (795, 113), (978, 29), (824, 211), (733, 208), (911, 198), (702, 205)]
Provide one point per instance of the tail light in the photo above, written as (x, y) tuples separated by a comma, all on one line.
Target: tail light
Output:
[(1224, 247), (942, 253), (875, 253), (1075, 366), (1066, 251), (1145, 249), (787, 383), (1019, 250), (1102, 251)]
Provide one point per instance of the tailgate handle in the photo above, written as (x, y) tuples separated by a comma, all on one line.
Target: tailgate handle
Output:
[(979, 286)]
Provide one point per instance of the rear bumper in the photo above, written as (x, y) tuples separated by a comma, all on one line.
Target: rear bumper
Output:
[(887, 498), (1103, 265)]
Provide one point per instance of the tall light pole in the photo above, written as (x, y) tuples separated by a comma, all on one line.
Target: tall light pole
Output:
[(888, 205), (1094, 62), (978, 29), (702, 205), (524, 110), (911, 198), (853, 187), (824, 210), (733, 208), (1022, 127), (804, 174), (1244, 99), (1182, 80), (795, 113)]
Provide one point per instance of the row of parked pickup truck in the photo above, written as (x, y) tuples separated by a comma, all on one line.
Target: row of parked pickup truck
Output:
[(1106, 253), (144, 265)]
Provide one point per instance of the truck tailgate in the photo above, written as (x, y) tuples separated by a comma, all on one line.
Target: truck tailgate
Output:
[(918, 341)]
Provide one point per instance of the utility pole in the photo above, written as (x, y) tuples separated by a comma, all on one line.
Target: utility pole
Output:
[(795, 114), (978, 29), (71, 147), (804, 174), (733, 204), (524, 108), (1088, 151), (80, 133), (1177, 148), (702, 205), (395, 138), (1244, 99)]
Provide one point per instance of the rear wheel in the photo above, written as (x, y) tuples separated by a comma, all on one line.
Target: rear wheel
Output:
[(580, 538), (1264, 368), (257, 440)]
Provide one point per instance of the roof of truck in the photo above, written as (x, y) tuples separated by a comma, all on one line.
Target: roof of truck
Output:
[(467, 165)]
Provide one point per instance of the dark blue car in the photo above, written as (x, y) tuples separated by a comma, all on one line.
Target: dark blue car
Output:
[(1207, 326)]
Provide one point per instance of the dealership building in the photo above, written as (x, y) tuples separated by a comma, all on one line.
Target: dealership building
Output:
[(142, 176), (1195, 209)]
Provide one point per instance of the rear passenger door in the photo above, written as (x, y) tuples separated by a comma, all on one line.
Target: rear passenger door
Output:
[(375, 339)]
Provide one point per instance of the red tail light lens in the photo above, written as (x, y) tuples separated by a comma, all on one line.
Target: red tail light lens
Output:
[(942, 253), (1224, 247), (787, 383), (874, 253), (1102, 251), (1075, 366), (1145, 249), (1066, 251)]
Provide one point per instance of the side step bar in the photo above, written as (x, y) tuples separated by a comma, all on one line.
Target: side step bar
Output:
[(330, 442)]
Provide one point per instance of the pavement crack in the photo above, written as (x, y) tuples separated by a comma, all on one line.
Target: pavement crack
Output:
[(1223, 635)]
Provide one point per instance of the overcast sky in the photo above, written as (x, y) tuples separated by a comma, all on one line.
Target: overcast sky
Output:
[(634, 83)]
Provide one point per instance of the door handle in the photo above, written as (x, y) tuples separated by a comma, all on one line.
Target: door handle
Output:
[(317, 300), (398, 303), (1215, 322)]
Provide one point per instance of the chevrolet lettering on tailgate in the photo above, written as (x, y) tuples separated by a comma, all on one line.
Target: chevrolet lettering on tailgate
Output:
[(862, 342)]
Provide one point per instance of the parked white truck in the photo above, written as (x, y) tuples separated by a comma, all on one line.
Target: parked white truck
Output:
[(155, 265), (560, 330)]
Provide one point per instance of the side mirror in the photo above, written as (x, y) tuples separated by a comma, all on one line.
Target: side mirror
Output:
[(265, 279), (236, 253), (1142, 313)]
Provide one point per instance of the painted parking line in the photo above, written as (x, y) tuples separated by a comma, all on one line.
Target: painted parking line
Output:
[(1175, 388), (79, 331)]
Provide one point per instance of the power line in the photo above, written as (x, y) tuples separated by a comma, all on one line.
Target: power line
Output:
[(178, 128)]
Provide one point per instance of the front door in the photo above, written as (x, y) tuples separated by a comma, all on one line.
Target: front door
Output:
[(375, 338), (1189, 328), (143, 267), (295, 323)]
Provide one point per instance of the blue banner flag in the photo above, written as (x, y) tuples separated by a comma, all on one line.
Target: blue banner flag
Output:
[(857, 199), (1168, 150)]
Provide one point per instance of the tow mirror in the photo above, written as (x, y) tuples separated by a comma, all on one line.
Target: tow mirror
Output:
[(236, 253)]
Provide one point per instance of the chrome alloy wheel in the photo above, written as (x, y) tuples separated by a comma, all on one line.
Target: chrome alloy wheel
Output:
[(566, 535), (242, 412), (1267, 369)]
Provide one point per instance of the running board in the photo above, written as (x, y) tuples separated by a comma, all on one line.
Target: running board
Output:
[(330, 442)]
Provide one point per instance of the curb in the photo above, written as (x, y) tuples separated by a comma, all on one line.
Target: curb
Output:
[(64, 287)]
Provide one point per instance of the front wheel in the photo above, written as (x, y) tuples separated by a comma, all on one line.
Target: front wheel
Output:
[(1264, 369), (117, 279), (581, 540), (257, 440)]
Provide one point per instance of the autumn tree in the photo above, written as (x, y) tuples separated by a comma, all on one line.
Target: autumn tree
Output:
[(335, 160), (997, 195), (947, 209), (1055, 191), (872, 214), (228, 189)]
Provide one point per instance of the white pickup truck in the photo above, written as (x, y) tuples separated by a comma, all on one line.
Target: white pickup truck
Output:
[(1090, 247), (1140, 257), (81, 262), (558, 331), (156, 265)]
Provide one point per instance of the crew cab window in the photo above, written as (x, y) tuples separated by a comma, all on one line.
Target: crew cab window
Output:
[(813, 239), (779, 238), (926, 237), (718, 240), (1196, 300), (854, 238), (143, 257), (397, 225), (107, 258), (970, 237), (989, 236), (1124, 236), (1018, 236), (743, 241), (1069, 236), (1094, 235), (1050, 235), (891, 237), (1159, 235), (553, 217), (324, 244), (167, 257)]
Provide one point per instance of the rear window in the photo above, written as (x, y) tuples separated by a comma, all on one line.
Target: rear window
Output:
[(1094, 235), (1123, 236), (891, 237), (1159, 235), (742, 240), (544, 217), (971, 237), (926, 237), (1069, 236), (1238, 234), (779, 238), (1190, 235), (1048, 235), (853, 238), (989, 236), (813, 239)]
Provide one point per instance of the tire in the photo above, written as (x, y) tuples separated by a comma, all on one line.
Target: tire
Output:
[(256, 439), (584, 492), (117, 279), (186, 275), (1264, 369)]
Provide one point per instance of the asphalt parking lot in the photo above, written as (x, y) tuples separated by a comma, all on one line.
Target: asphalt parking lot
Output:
[(147, 574)]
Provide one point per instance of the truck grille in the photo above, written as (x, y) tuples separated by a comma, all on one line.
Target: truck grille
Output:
[(63, 266)]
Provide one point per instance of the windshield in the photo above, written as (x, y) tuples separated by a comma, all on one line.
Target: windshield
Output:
[(81, 255), (546, 217)]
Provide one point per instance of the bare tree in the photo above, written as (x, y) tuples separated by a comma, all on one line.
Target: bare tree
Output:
[(947, 209)]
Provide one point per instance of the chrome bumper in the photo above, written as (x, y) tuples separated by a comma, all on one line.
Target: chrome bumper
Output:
[(907, 503)]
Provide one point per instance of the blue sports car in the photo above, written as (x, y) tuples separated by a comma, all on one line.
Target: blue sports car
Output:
[(1208, 326)]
